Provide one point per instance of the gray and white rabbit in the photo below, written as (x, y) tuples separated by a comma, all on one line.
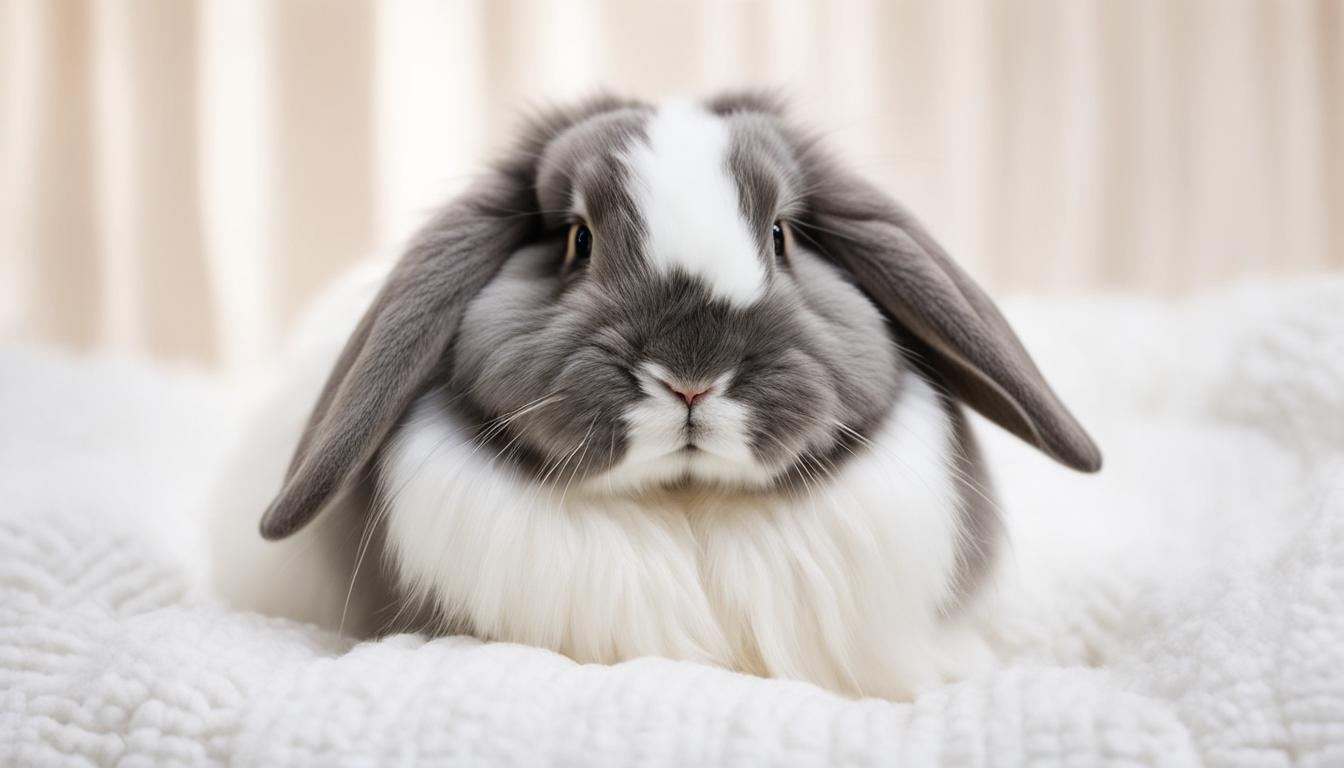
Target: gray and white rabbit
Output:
[(666, 382)]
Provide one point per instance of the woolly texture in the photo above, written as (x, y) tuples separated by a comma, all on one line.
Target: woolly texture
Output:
[(1184, 607)]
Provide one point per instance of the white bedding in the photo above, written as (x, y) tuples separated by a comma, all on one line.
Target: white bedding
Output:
[(1184, 607)]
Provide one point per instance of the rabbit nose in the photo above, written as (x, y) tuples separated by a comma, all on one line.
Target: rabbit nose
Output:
[(691, 394)]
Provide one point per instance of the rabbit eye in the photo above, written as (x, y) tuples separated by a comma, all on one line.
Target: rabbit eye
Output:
[(778, 232), (580, 245)]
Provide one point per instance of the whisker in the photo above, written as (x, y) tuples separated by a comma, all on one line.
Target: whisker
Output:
[(578, 464), (395, 494), (365, 539)]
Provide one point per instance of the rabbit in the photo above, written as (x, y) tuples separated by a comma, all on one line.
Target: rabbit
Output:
[(667, 381)]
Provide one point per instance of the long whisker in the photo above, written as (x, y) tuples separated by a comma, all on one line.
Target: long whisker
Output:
[(365, 539), (505, 421), (578, 464), (963, 479), (479, 440)]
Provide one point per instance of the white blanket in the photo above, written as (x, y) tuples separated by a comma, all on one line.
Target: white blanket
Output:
[(1184, 607)]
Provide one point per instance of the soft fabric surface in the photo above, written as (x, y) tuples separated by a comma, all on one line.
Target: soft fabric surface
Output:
[(1184, 607)]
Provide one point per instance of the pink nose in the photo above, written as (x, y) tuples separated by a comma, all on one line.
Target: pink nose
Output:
[(691, 394)]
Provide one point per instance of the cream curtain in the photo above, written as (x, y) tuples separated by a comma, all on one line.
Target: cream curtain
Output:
[(178, 176)]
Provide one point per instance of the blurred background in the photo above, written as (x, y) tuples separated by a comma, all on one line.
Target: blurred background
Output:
[(177, 177)]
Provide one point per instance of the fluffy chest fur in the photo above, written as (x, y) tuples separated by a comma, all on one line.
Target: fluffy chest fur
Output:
[(840, 583)]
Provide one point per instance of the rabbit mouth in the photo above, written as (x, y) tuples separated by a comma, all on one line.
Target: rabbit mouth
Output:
[(689, 465)]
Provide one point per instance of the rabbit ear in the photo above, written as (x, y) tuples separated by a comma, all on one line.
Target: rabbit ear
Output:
[(403, 340), (399, 345), (957, 330)]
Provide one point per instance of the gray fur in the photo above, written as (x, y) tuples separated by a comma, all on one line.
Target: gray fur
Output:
[(950, 323), (801, 363), (399, 345), (483, 307)]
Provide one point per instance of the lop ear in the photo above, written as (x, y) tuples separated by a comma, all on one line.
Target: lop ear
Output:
[(956, 329), (400, 344), (403, 340)]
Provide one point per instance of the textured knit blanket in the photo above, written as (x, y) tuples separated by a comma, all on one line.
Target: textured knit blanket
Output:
[(1184, 607)]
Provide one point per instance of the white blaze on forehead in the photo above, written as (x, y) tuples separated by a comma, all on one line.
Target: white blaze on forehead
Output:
[(689, 203)]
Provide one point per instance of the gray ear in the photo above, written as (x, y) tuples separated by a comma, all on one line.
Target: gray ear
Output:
[(400, 344), (957, 330)]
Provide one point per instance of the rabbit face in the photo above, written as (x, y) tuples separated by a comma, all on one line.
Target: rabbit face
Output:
[(671, 328)]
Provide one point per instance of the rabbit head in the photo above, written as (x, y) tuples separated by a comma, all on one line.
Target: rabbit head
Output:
[(692, 294)]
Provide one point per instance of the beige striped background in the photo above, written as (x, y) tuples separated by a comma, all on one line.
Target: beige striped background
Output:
[(178, 176)]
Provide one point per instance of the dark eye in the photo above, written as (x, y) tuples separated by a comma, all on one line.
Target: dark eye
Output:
[(580, 244), (778, 232)]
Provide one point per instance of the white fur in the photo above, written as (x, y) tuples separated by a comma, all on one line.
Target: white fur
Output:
[(657, 432), (690, 203), (839, 585)]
